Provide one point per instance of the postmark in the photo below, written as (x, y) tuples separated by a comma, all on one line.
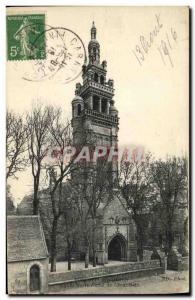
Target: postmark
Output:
[(22, 31), (64, 56), (55, 51)]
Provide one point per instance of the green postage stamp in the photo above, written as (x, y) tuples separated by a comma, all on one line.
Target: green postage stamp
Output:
[(26, 37)]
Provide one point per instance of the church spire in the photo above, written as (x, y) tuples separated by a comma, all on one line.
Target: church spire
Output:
[(93, 31), (94, 47)]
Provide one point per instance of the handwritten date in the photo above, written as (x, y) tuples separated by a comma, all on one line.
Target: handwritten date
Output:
[(165, 47)]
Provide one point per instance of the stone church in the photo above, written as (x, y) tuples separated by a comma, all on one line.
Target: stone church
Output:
[(94, 114), (95, 121)]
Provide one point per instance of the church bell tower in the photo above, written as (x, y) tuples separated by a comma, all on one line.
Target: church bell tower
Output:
[(95, 122), (94, 116)]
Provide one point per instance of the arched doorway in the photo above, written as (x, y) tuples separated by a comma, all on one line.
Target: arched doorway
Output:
[(117, 249), (35, 284)]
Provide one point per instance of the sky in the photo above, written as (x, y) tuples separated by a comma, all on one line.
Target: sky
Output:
[(151, 87)]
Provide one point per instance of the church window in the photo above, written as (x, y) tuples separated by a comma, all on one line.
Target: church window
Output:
[(79, 109), (102, 79), (104, 104), (34, 278), (95, 103), (106, 141), (96, 77)]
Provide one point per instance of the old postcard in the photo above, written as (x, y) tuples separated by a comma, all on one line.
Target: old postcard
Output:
[(97, 135)]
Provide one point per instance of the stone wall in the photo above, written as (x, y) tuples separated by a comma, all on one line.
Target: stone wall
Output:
[(184, 264), (58, 281), (18, 281), (100, 271)]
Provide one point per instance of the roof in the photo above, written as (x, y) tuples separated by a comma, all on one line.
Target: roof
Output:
[(77, 98), (116, 198), (25, 238)]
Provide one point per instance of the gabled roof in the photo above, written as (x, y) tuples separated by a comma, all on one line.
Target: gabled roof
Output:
[(116, 197), (25, 239)]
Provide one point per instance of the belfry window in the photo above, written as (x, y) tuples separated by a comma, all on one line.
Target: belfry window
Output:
[(102, 79), (96, 77), (95, 103), (79, 109), (104, 104)]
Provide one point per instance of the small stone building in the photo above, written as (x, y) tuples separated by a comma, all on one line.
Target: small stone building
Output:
[(27, 256)]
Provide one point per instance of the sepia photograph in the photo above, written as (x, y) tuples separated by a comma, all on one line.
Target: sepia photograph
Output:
[(97, 150)]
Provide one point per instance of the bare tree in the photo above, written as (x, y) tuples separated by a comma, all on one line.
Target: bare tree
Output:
[(80, 189), (59, 169), (100, 193), (170, 179), (16, 145), (79, 186), (135, 182), (37, 122), (71, 222), (10, 208), (95, 193)]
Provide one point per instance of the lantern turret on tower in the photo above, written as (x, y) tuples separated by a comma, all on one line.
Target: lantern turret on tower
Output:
[(94, 47)]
